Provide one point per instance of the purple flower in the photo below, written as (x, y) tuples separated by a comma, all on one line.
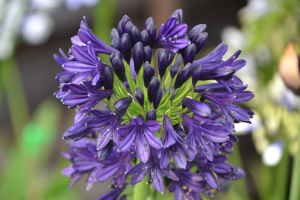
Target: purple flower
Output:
[(83, 156), (171, 36), (188, 186), (173, 145), (204, 136), (114, 194), (154, 170), (115, 166), (86, 35), (225, 103), (220, 167), (141, 135)]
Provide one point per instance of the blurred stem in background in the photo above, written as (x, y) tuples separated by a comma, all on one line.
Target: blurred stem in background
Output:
[(12, 87), (19, 114), (240, 186), (295, 183), (105, 13)]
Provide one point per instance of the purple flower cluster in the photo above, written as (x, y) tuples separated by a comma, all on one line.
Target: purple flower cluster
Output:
[(152, 126)]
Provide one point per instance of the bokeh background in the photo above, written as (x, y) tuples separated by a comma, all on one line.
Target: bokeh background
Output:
[(32, 120)]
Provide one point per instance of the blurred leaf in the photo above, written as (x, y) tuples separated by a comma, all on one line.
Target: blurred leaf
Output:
[(13, 177)]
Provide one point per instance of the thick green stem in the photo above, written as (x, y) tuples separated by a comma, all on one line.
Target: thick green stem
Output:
[(295, 183), (140, 191)]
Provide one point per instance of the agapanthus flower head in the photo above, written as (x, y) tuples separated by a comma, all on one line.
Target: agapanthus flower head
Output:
[(165, 124)]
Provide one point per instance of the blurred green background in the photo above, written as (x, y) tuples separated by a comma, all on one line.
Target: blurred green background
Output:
[(32, 120)]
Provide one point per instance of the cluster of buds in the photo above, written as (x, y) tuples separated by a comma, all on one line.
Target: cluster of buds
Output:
[(152, 126)]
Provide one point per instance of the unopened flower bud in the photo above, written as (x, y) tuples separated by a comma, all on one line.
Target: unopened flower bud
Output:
[(115, 43), (183, 75), (119, 68), (115, 55), (158, 98), (196, 31), (108, 78), (139, 95), (153, 89), (147, 54), (151, 115), (199, 41), (178, 15), (148, 74), (128, 28), (152, 34), (196, 72), (150, 20), (126, 47), (135, 34), (114, 34), (145, 38), (138, 56), (190, 53), (124, 22), (163, 57), (123, 104)]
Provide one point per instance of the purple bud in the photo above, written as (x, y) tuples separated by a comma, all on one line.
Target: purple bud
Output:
[(178, 15), (199, 41), (147, 54), (158, 98), (150, 20), (108, 78), (128, 27), (106, 151), (174, 68), (139, 95), (138, 56), (196, 72), (124, 21), (153, 89), (163, 57), (148, 74), (114, 34), (183, 75), (115, 55), (126, 47), (199, 108), (151, 115), (217, 73), (196, 31), (119, 68), (120, 31), (145, 38), (135, 34), (190, 53), (115, 43), (152, 34), (123, 104)]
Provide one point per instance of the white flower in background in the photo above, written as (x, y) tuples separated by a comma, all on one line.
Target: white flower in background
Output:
[(11, 13), (37, 28), (281, 95), (77, 4), (233, 37), (272, 155), (256, 8), (44, 4)]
